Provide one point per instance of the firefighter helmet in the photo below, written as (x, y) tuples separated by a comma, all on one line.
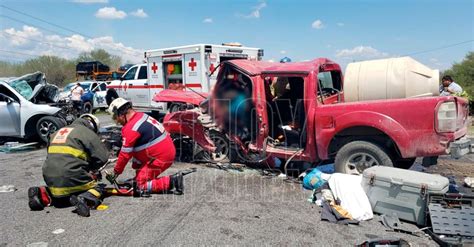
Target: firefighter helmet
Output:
[(93, 120), (116, 107)]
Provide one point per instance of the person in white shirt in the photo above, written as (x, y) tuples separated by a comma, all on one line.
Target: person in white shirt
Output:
[(76, 93), (449, 87)]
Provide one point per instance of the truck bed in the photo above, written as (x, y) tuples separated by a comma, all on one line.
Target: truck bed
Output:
[(410, 123)]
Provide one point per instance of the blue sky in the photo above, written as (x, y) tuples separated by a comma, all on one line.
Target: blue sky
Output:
[(341, 30)]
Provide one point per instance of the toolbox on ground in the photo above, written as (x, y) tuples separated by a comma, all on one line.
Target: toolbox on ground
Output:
[(402, 192), (451, 219)]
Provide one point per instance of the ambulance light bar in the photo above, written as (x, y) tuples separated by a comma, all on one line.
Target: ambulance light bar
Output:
[(236, 44)]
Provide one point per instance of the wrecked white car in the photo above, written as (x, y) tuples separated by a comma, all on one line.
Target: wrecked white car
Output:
[(27, 108)]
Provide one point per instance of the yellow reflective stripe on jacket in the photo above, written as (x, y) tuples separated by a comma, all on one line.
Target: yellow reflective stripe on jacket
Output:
[(94, 192), (64, 191), (68, 150)]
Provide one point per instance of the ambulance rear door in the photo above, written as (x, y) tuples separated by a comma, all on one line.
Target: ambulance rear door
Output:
[(155, 76), (173, 71), (193, 72), (211, 65)]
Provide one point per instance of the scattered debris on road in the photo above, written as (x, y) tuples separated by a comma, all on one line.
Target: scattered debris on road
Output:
[(469, 181), (7, 188), (384, 242), (16, 146), (58, 231), (38, 244), (397, 194)]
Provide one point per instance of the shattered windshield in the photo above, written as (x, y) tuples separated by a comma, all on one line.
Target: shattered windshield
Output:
[(22, 87), (28, 85), (34, 88)]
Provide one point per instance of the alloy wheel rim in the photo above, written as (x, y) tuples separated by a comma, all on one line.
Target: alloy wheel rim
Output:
[(358, 162), (222, 149), (47, 127)]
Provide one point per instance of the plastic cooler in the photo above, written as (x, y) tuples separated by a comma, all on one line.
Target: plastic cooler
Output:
[(403, 192)]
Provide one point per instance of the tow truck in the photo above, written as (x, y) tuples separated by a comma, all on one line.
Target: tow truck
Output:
[(185, 68)]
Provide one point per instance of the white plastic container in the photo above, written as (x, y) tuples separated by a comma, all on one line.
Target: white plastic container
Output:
[(400, 191), (392, 78)]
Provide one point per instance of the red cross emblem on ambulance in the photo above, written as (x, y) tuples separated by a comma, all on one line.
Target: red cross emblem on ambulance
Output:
[(154, 68), (192, 64)]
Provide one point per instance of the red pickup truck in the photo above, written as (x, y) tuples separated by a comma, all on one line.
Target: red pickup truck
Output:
[(296, 111)]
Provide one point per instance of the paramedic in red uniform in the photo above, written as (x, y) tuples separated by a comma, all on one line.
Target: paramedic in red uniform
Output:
[(145, 141)]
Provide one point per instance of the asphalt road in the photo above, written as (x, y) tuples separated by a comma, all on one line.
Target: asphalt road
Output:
[(218, 208)]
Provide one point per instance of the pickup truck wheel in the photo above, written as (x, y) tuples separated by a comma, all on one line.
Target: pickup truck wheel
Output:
[(110, 96), (356, 156), (87, 107), (222, 146), (174, 107), (48, 125)]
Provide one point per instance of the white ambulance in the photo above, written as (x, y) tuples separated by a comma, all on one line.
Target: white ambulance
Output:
[(184, 67)]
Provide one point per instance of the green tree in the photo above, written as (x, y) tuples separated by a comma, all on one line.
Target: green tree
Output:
[(463, 73), (8, 69), (58, 70)]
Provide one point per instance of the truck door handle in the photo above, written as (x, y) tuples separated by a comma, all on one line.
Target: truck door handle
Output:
[(146, 84), (130, 84)]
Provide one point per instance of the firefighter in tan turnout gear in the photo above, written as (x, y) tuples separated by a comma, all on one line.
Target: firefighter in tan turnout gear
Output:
[(73, 152)]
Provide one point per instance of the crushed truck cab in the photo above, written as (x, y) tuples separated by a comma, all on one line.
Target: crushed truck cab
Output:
[(297, 111)]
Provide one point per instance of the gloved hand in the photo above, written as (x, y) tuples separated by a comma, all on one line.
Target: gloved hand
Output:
[(111, 176)]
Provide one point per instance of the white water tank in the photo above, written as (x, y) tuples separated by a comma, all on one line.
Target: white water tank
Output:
[(391, 78)]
